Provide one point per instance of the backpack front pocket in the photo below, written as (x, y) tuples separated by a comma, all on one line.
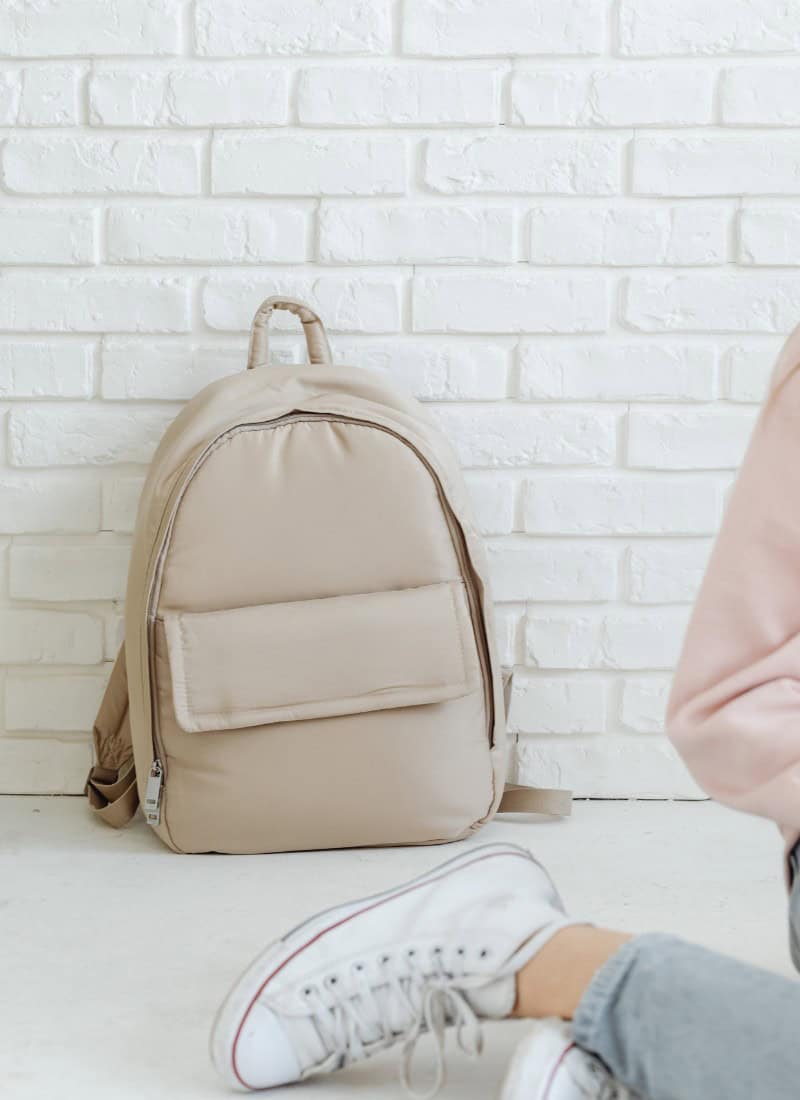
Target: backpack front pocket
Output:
[(321, 658)]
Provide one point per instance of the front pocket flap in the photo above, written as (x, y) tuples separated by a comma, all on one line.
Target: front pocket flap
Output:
[(318, 658)]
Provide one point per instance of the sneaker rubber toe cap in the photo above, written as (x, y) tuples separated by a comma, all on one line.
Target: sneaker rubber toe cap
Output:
[(263, 1056)]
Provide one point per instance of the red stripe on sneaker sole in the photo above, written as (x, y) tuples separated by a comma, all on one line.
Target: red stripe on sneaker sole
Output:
[(337, 924)]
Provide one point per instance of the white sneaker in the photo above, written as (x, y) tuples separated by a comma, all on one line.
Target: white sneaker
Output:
[(440, 950), (548, 1065)]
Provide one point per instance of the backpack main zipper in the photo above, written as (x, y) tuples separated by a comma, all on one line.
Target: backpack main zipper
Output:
[(157, 775)]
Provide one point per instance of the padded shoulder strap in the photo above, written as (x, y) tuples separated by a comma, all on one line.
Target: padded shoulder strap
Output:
[(111, 784), (535, 800), (531, 800)]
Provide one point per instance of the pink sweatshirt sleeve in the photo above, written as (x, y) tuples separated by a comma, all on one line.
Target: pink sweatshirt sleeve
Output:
[(734, 711)]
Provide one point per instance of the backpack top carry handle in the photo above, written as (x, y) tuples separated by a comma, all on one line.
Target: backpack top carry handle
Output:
[(319, 350)]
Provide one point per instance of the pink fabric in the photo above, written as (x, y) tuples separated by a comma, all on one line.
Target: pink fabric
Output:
[(734, 711)]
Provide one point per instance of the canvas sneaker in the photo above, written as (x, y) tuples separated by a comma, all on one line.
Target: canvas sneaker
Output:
[(548, 1065), (439, 951)]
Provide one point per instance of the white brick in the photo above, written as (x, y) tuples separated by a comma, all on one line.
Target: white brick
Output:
[(39, 235), (507, 619), (435, 371), (102, 165), (492, 502), (644, 703), (10, 96), (164, 372), (192, 95), (510, 302), (668, 572), (617, 372), (484, 28), (736, 302), (45, 370), (50, 96), (713, 440), (722, 164), (651, 27), (287, 27), (41, 504), (749, 370), (39, 765), (89, 27), (756, 95), (50, 637), (549, 571), (76, 571), (606, 767), (540, 705), (618, 639), (397, 95), (629, 235), (40, 95), (5, 546), (416, 234), (93, 303), (769, 236), (120, 501), (580, 505), (52, 703), (629, 95), (286, 349), (348, 304), (70, 436), (520, 435), (196, 233), (545, 164), (114, 635), (252, 164)]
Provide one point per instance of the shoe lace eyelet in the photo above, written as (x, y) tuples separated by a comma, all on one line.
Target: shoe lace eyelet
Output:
[(461, 951), (484, 954)]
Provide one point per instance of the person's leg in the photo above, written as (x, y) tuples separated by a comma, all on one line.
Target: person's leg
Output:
[(671, 1020), (554, 981)]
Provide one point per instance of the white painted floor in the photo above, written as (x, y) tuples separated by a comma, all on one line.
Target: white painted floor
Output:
[(114, 952)]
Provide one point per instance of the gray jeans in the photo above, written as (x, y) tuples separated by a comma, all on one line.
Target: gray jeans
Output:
[(674, 1021)]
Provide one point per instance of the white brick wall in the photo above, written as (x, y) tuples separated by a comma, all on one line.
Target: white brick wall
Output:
[(574, 232)]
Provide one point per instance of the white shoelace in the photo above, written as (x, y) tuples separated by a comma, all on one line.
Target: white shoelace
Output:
[(400, 1006), (441, 1005)]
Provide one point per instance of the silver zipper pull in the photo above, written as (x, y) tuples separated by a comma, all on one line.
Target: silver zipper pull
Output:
[(152, 794)]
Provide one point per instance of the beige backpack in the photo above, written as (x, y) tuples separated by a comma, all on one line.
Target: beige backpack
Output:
[(309, 658)]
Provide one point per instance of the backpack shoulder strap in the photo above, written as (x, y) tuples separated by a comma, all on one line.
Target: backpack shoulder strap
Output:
[(517, 799), (111, 783), (535, 800)]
